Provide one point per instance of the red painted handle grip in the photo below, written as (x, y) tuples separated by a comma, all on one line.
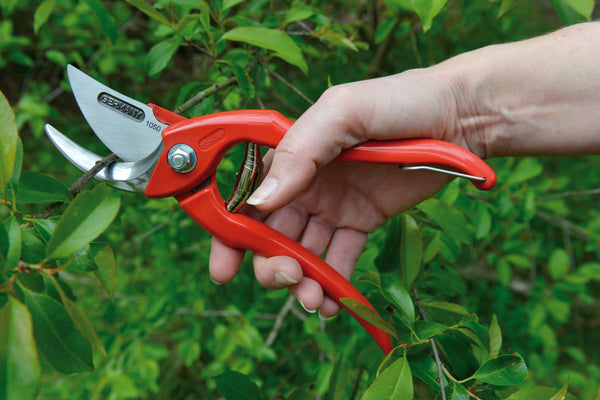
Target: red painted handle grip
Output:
[(207, 208), (212, 135)]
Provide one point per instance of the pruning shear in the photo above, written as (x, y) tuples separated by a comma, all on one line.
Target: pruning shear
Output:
[(164, 154)]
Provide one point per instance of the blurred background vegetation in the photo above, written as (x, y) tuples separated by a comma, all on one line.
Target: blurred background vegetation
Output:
[(530, 257)]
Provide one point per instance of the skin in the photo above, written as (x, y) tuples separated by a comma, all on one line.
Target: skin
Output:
[(535, 97)]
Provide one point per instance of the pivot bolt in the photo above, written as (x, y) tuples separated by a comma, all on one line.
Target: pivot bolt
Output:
[(181, 158)]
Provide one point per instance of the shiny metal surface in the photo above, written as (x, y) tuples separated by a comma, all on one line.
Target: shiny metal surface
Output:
[(248, 178), (443, 171), (129, 176), (182, 158), (126, 126)]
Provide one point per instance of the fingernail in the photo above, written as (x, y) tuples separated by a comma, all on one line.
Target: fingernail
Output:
[(322, 318), (284, 279), (264, 191), (306, 309), (215, 282)]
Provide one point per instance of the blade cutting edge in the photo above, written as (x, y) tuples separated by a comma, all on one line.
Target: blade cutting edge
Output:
[(126, 126)]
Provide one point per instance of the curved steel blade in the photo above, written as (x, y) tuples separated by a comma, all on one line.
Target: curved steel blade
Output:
[(129, 176), (126, 126)]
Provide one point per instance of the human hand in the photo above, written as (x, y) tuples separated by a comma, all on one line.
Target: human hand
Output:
[(338, 203)]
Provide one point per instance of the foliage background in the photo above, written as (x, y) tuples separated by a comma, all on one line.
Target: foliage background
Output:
[(526, 253)]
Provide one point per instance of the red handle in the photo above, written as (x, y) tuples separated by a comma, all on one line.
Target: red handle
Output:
[(212, 135), (207, 208), (423, 152)]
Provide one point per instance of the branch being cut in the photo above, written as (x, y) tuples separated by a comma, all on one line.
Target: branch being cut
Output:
[(76, 187)]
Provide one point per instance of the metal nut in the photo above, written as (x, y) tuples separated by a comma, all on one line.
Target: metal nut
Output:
[(182, 158)]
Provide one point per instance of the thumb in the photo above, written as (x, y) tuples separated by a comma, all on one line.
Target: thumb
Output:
[(314, 140)]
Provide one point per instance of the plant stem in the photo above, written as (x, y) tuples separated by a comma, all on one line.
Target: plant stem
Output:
[(285, 310), (76, 187), (204, 94), (436, 354), (287, 83)]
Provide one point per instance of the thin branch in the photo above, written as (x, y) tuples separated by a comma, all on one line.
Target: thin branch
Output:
[(436, 354), (143, 236), (204, 94), (285, 310), (569, 194), (563, 223), (287, 83), (76, 187)]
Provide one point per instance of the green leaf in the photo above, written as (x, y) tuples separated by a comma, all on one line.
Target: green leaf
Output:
[(44, 228), (189, 25), (433, 247), (445, 306), (559, 264), (301, 393), (368, 315), (394, 383), (424, 367), (505, 370), (58, 339), (107, 270), (384, 29), (243, 80), (337, 39), (107, 21), (506, 6), (529, 205), (83, 221), (455, 391), (271, 39), (388, 258), (57, 57), (536, 393), (234, 385), (427, 329), (394, 291), (4, 244), (16, 175), (189, 351), (8, 142), (150, 11), (338, 381), (8, 6), (526, 169), (483, 225), (427, 10), (20, 372), (298, 13), (562, 393), (42, 13), (495, 338), (80, 319), (227, 4), (583, 8), (33, 249), (35, 187), (450, 219), (411, 250), (160, 54), (15, 243)]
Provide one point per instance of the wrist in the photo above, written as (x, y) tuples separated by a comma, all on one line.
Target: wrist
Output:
[(536, 97)]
